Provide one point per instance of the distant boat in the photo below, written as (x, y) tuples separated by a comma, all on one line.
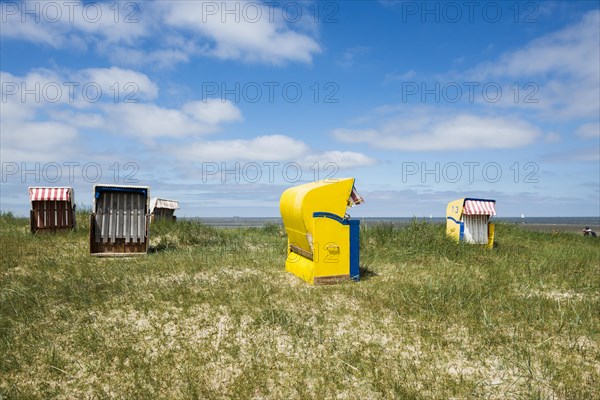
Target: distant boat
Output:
[(522, 218), (430, 216)]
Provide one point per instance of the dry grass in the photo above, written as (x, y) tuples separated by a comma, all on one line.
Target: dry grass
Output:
[(212, 314)]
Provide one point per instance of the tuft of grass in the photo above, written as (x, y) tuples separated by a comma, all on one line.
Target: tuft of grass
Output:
[(211, 313)]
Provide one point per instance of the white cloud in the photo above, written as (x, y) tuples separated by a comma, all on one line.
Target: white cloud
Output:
[(241, 34), (35, 89), (42, 88), (422, 130), (26, 134), (148, 121), (563, 65), (79, 120), (590, 130), (162, 58), (121, 83), (32, 135), (572, 51), (261, 148), (164, 33), (577, 154), (588, 155), (36, 141), (41, 124), (557, 76), (352, 55), (62, 24), (212, 111), (124, 22), (342, 159), (552, 137), (271, 148)]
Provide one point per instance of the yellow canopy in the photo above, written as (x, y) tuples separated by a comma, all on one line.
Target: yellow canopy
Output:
[(298, 204)]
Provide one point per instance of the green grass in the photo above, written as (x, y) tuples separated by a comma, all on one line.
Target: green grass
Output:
[(211, 313)]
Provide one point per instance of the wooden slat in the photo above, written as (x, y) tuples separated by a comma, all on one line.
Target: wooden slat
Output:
[(301, 251), (38, 214), (93, 236), (51, 215), (106, 219), (40, 211), (121, 220), (57, 215), (130, 213), (134, 218), (99, 217), (122, 212), (112, 216), (123, 216), (117, 206), (101, 221), (141, 219), (68, 215), (330, 280), (109, 232), (60, 215), (130, 224), (55, 220), (163, 214), (103, 224)]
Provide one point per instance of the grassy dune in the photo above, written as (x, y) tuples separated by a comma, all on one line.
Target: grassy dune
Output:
[(211, 313)]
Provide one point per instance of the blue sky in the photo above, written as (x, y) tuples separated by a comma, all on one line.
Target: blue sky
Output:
[(223, 105)]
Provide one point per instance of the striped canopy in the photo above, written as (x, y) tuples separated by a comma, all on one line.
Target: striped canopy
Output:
[(163, 203), (480, 207), (355, 198), (51, 194)]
